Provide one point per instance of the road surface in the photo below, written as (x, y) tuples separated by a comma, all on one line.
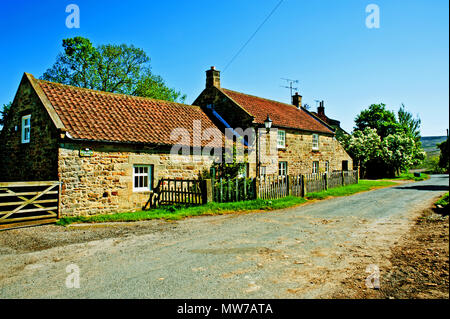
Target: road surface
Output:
[(302, 252)]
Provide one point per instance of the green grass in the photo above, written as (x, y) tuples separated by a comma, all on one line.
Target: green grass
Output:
[(364, 185), (443, 201), (179, 212), (409, 177)]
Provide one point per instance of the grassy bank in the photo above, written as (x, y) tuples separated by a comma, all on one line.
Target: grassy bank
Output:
[(179, 212), (443, 201), (409, 177), (362, 186)]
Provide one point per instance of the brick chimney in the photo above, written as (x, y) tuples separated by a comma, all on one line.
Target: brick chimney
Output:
[(212, 78), (297, 100), (321, 109)]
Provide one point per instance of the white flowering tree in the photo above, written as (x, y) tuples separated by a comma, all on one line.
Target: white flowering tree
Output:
[(399, 152), (363, 146)]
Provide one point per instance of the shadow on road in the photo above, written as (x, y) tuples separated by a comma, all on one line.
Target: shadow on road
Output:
[(426, 187)]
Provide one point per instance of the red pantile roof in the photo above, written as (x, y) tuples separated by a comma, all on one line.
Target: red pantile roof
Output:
[(281, 114), (102, 116)]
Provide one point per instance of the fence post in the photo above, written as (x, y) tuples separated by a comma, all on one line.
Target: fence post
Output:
[(288, 188), (357, 175), (303, 186), (206, 191), (326, 181), (343, 180), (257, 183)]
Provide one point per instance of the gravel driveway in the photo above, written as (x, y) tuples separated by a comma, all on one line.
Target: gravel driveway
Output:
[(302, 252)]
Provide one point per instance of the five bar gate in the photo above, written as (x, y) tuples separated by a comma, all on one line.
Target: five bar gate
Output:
[(28, 203)]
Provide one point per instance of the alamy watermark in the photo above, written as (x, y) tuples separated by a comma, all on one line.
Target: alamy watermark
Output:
[(373, 280), (373, 17), (198, 144), (73, 279), (73, 19)]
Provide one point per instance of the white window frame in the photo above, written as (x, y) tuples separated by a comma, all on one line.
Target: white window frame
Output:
[(327, 167), (24, 136), (281, 139), (315, 142), (315, 169), (282, 168), (144, 175)]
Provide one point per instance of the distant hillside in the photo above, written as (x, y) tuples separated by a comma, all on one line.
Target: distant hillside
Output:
[(429, 144)]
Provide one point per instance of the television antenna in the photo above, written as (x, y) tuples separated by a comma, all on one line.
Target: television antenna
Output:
[(291, 85)]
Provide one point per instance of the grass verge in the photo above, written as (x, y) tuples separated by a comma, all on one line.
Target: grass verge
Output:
[(179, 212), (409, 177), (443, 201), (363, 186)]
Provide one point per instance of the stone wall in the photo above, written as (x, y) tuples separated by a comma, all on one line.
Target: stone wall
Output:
[(103, 182), (300, 156), (38, 159)]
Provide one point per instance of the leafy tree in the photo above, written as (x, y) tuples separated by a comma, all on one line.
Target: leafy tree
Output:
[(4, 112), (383, 143), (443, 157), (408, 124), (111, 68), (379, 118), (399, 153), (363, 146)]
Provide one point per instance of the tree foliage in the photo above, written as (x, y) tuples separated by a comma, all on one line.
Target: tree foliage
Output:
[(363, 147), (443, 157), (379, 118), (111, 68), (4, 112), (383, 143), (408, 124)]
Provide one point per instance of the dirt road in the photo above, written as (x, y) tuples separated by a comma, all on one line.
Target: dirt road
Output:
[(303, 252)]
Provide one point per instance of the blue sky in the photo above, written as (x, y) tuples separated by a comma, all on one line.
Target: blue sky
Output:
[(325, 44)]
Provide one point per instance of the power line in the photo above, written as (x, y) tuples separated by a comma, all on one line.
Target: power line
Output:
[(251, 37)]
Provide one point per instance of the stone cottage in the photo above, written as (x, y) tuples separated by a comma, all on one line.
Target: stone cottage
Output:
[(108, 150), (305, 143)]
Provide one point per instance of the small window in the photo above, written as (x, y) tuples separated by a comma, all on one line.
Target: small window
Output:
[(315, 142), (282, 168), (327, 167), (281, 139), (26, 126), (142, 177), (315, 168)]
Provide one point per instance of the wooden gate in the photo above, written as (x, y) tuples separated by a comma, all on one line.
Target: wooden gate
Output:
[(28, 203), (177, 191)]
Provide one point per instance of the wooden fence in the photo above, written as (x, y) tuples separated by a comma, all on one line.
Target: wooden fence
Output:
[(28, 203), (196, 192), (178, 191), (273, 187), (315, 182), (233, 189)]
